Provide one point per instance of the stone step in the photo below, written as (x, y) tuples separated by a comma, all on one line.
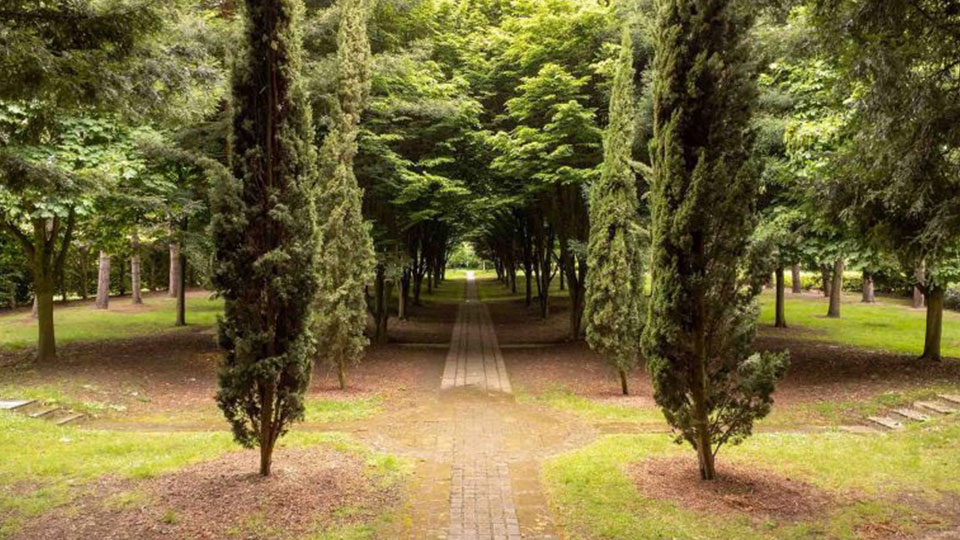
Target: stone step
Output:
[(14, 404), (935, 406), (44, 412), (911, 414), (885, 422), (953, 399), (70, 418)]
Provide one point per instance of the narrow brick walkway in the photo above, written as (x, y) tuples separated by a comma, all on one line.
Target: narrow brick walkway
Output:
[(478, 450), (474, 358)]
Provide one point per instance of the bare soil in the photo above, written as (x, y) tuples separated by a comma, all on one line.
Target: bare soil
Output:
[(222, 498), (176, 374), (818, 371), (748, 490)]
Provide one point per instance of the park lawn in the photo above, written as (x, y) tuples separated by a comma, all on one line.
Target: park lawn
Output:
[(563, 399), (45, 466), (596, 497), (82, 322), (887, 325)]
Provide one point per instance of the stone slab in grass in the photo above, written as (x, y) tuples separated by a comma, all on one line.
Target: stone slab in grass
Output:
[(952, 398), (885, 421), (911, 414), (936, 407), (13, 404)]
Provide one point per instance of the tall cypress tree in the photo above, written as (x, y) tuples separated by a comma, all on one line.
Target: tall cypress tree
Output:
[(264, 229), (701, 317), (346, 256), (614, 304)]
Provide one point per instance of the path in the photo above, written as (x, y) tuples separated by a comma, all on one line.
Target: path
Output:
[(474, 358), (478, 450)]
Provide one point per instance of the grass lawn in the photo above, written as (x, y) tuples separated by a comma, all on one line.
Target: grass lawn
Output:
[(46, 466), (596, 496), (82, 322), (887, 325), (43, 462)]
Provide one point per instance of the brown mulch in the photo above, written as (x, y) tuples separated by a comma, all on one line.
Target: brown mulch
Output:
[(577, 368), (741, 489), (818, 371), (177, 372), (430, 323), (222, 498), (516, 323)]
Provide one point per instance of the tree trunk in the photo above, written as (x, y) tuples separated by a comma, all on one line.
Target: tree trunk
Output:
[(825, 277), (47, 343), (797, 280), (868, 292), (13, 295), (135, 272), (380, 305), (182, 290), (563, 286), (623, 383), (103, 282), (34, 311), (404, 296), (920, 277), (934, 331), (174, 270), (528, 281), (417, 287), (342, 374), (267, 435), (781, 318), (836, 289), (698, 394)]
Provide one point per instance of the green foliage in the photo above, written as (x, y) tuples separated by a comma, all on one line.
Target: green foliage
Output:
[(615, 282), (265, 233), (345, 251), (700, 324)]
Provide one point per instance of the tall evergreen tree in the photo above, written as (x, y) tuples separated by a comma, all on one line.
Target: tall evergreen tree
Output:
[(701, 318), (615, 296), (265, 234), (346, 256)]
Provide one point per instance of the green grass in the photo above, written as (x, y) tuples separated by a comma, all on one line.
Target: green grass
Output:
[(597, 499), (84, 323), (562, 399), (50, 460), (342, 410), (888, 325)]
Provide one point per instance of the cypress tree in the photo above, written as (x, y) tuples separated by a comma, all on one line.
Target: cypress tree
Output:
[(346, 256), (614, 304), (701, 316), (264, 229)]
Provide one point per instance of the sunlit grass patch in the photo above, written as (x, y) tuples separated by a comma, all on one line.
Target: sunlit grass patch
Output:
[(596, 497), (48, 460), (562, 399), (82, 322), (887, 325), (342, 410)]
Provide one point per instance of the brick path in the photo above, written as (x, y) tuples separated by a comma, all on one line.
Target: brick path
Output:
[(474, 358), (478, 451)]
